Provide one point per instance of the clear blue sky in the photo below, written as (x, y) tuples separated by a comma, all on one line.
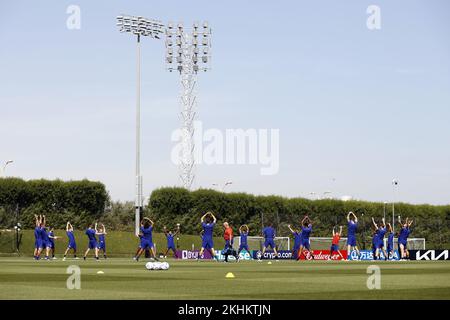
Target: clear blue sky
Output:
[(352, 104)]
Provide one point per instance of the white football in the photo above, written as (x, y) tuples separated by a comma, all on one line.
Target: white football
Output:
[(149, 265)]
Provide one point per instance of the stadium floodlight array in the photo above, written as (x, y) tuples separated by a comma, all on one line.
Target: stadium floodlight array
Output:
[(139, 26), (188, 51)]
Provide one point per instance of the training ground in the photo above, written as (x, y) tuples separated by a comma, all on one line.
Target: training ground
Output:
[(24, 278)]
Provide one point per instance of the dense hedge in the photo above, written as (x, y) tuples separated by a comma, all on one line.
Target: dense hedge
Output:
[(177, 205), (79, 201)]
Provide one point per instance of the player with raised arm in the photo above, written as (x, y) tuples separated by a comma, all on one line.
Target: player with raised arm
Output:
[(243, 234), (335, 243), (44, 236), (51, 241), (352, 227), (101, 245), (306, 233), (208, 221), (72, 245), (381, 231), (91, 233), (170, 240), (269, 239), (228, 237), (403, 237), (146, 239), (390, 242), (37, 237), (297, 241)]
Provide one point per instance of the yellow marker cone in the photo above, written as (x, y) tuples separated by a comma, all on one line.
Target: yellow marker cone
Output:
[(269, 262), (229, 275)]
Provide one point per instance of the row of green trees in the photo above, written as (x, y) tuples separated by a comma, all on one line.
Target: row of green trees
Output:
[(169, 206), (83, 202), (79, 201)]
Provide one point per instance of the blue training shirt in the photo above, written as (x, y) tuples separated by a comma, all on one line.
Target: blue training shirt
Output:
[(170, 242), (244, 236), (297, 238), (70, 236), (37, 233), (306, 231), (147, 233), (91, 234), (352, 227), (269, 232), (208, 229)]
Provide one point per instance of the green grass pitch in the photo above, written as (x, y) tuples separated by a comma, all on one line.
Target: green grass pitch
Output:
[(24, 278)]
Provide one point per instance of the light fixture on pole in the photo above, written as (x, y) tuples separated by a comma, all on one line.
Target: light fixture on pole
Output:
[(384, 210), (140, 27), (394, 185), (188, 52), (4, 167)]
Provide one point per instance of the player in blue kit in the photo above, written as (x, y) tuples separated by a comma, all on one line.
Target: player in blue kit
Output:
[(403, 238), (38, 246), (91, 233), (170, 241), (306, 232), (101, 245), (243, 235), (390, 242), (208, 221), (381, 231), (51, 241), (72, 245), (146, 239), (374, 243), (44, 236), (297, 241), (352, 227), (269, 239)]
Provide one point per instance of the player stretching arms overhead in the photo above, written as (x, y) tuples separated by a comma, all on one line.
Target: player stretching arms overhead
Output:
[(352, 226), (72, 244), (390, 242), (37, 237), (170, 243), (101, 245), (297, 241), (403, 238), (91, 233), (381, 231), (208, 221), (228, 237), (335, 243), (146, 236), (269, 236), (306, 232), (44, 237), (243, 233)]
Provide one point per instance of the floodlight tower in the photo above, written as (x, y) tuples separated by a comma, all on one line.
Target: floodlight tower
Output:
[(188, 52), (140, 27)]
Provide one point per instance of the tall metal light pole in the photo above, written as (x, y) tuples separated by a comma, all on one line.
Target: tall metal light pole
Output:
[(140, 27), (394, 185), (4, 167), (192, 55)]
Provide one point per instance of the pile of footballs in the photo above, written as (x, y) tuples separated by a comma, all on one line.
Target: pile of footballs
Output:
[(157, 266)]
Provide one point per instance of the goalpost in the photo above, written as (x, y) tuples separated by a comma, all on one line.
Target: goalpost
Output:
[(324, 243), (257, 243)]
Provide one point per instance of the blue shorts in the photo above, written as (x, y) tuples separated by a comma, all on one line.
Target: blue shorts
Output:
[(171, 248), (92, 244), (146, 244), (50, 245), (101, 245), (380, 245), (305, 243), (244, 247), (269, 242), (351, 241), (389, 249), (207, 243), (38, 244), (334, 247), (72, 245)]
